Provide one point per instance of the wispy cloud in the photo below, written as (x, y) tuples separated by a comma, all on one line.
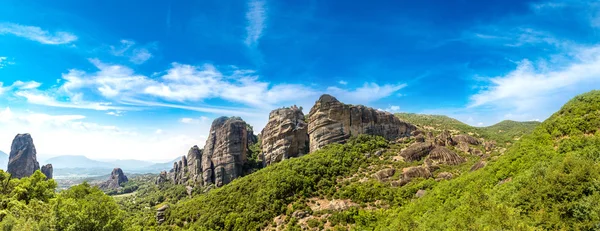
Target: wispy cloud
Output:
[(202, 119), (4, 62), (342, 82), (256, 17), (19, 85), (369, 92), (37, 34), (136, 54), (530, 85)]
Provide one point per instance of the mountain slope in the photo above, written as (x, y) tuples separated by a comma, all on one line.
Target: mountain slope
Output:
[(502, 132), (548, 180)]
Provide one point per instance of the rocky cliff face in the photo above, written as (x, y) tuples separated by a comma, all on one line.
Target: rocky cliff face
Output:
[(188, 170), (47, 170), (117, 177), (331, 121), (22, 160), (284, 136), (225, 152)]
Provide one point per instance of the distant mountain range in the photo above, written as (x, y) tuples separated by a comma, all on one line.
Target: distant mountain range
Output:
[(3, 160), (80, 164)]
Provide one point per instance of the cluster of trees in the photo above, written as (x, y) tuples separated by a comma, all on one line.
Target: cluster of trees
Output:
[(31, 203)]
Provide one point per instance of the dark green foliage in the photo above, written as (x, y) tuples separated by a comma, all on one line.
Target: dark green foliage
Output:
[(30, 203), (251, 202)]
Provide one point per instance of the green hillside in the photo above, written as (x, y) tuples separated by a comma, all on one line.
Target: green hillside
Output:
[(503, 132), (549, 180)]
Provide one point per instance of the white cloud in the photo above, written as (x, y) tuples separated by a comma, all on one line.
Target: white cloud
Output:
[(129, 49), (342, 82), (256, 17), (37, 34), (19, 85), (392, 108), (76, 135), (369, 92), (202, 119), (4, 62), (536, 90), (115, 113), (43, 99)]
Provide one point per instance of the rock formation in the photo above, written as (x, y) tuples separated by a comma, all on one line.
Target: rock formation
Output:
[(334, 122), (225, 152), (194, 164), (117, 177), (442, 155), (417, 151), (384, 174), (160, 214), (162, 177), (22, 160), (47, 170), (284, 136)]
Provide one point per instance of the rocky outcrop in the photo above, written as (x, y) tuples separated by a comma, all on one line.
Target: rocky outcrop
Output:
[(417, 151), (442, 155), (117, 177), (478, 165), (47, 170), (194, 165), (23, 157), (284, 136), (160, 214), (331, 121), (179, 171), (444, 139), (225, 152), (465, 139), (384, 174), (162, 178), (444, 176)]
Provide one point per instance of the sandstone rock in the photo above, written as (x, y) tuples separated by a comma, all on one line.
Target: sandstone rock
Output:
[(299, 214), (415, 172), (476, 152), (117, 177), (22, 161), (465, 139), (162, 178), (225, 152), (160, 214), (417, 151), (442, 155), (285, 135), (194, 165), (464, 147), (334, 122), (478, 165), (47, 170), (444, 176), (420, 193), (420, 138), (445, 139), (378, 152), (384, 174), (489, 145)]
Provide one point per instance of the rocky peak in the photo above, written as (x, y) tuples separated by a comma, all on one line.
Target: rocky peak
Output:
[(225, 152), (117, 177), (285, 135), (47, 170), (334, 122), (23, 157)]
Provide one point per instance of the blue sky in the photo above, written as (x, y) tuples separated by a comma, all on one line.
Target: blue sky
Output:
[(144, 79)]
